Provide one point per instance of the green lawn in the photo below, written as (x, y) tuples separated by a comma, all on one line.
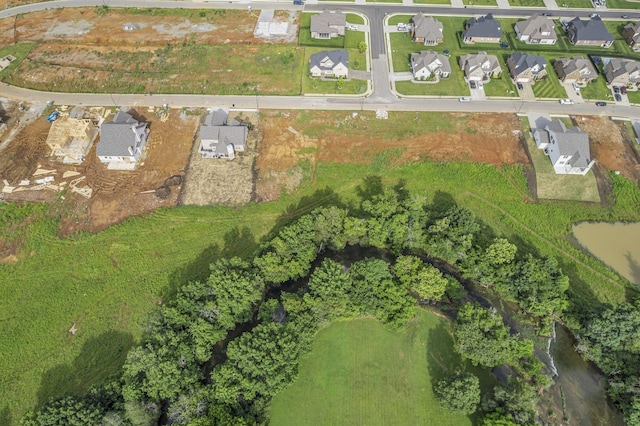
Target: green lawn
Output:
[(527, 3), (549, 87), (107, 283), (597, 90), (552, 186), (634, 97), (360, 373), (20, 51), (357, 61), (432, 1), (574, 4), (622, 4)]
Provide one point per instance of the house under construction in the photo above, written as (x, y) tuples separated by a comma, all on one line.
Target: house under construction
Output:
[(71, 135)]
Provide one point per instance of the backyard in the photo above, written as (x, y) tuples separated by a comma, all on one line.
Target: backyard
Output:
[(359, 372)]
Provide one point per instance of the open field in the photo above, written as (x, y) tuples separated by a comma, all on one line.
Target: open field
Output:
[(358, 372), (107, 282)]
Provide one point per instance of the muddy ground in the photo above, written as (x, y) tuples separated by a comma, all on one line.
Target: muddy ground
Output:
[(345, 137), (117, 195), (611, 145)]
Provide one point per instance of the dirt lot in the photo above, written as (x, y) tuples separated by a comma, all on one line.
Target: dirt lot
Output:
[(117, 195), (220, 181), (328, 136), (610, 147)]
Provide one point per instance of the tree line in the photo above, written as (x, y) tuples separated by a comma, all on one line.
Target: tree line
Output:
[(171, 377)]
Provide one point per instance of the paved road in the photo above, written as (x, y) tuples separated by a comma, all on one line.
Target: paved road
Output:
[(381, 98)]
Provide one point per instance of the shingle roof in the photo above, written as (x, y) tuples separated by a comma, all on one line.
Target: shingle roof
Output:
[(535, 26), (322, 22), (117, 136), (474, 60), (427, 27), (577, 63), (573, 142), (335, 56), (216, 117), (523, 62), (591, 30), (427, 57), (484, 26)]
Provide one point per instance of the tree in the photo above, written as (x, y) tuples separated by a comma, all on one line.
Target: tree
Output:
[(362, 47), (424, 279), (459, 392), (481, 336)]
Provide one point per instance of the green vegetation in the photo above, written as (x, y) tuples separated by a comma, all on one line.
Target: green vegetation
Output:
[(552, 186), (549, 86), (19, 51), (576, 4), (357, 61), (527, 3), (622, 4), (359, 372), (432, 2), (354, 18), (597, 90), (634, 96)]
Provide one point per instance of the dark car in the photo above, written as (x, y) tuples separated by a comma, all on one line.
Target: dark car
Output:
[(618, 97), (472, 84), (616, 89), (625, 16), (623, 90), (600, 103), (520, 86)]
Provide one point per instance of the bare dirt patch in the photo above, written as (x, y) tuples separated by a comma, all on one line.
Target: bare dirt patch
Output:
[(608, 146), (218, 180), (117, 195), (328, 136)]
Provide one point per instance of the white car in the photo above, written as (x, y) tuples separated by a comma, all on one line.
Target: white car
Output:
[(566, 101), (593, 15), (352, 27), (465, 99)]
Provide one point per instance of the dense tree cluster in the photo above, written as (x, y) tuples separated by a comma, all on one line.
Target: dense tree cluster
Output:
[(459, 393), (173, 371)]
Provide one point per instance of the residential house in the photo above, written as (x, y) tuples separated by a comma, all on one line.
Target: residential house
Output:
[(525, 68), (589, 33), (328, 24), (568, 149), (631, 34), (426, 29), (72, 135), (331, 63), (429, 63), (484, 29), (480, 66), (537, 29), (577, 69), (622, 72), (122, 141), (220, 138), (6, 61)]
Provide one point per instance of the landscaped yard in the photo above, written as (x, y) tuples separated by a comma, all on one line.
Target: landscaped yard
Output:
[(552, 186), (549, 86), (19, 51), (527, 3), (634, 97), (597, 90), (362, 373), (432, 1), (357, 61), (622, 4)]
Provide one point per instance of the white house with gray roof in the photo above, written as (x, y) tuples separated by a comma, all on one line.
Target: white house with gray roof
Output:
[(480, 66), (330, 63), (568, 149), (429, 63), (426, 29), (537, 29), (328, 24), (484, 29), (589, 33), (220, 138), (525, 68), (122, 141)]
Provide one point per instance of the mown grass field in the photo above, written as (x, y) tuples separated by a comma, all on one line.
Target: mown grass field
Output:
[(360, 373), (108, 282)]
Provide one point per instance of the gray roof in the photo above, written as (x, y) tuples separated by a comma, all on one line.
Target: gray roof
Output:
[(471, 61), (573, 142), (427, 57), (577, 63), (535, 26), (591, 30), (117, 136), (322, 22), (617, 67), (484, 26), (631, 33), (427, 27), (335, 56), (523, 62), (217, 117)]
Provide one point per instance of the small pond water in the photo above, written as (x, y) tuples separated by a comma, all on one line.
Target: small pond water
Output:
[(616, 244)]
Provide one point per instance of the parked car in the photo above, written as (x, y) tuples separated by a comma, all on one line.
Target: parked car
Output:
[(623, 90), (618, 98), (566, 101), (625, 16), (593, 15), (352, 27), (465, 99), (600, 103), (472, 84), (616, 89), (520, 86), (479, 85)]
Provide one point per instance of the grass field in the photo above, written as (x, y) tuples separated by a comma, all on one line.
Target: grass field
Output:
[(360, 373), (552, 186), (106, 283), (20, 51)]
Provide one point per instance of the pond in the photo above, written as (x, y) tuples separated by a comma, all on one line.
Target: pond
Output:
[(616, 244)]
